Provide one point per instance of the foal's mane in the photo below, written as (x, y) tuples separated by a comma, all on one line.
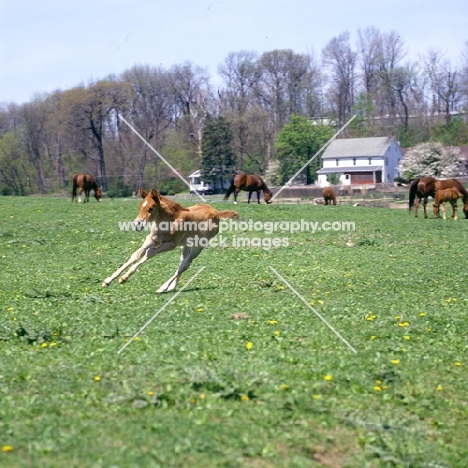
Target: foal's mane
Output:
[(170, 207)]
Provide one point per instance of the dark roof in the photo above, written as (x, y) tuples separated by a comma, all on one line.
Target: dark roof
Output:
[(357, 147)]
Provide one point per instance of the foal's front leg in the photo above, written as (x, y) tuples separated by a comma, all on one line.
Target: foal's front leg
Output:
[(187, 255)]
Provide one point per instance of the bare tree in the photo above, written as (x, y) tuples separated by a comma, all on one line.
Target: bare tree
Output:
[(192, 97), (90, 115), (446, 85), (150, 110), (340, 60)]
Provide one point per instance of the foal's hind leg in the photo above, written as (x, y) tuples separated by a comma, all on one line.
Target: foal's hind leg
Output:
[(258, 197), (187, 255)]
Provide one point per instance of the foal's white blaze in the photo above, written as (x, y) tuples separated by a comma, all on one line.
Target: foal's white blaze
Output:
[(145, 203)]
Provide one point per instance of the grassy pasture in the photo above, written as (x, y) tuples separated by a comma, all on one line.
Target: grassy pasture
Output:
[(200, 388)]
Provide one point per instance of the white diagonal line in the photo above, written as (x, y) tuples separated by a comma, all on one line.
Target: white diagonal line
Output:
[(160, 310), (313, 310), (160, 156), (313, 157)]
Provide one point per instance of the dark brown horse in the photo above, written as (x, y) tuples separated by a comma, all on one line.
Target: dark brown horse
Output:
[(450, 195), (87, 183), (329, 195), (424, 187), (249, 183)]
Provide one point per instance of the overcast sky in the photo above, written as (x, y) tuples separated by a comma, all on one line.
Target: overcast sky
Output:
[(57, 44)]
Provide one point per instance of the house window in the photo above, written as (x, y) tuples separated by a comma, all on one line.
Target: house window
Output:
[(336, 161), (354, 161), (386, 161), (370, 161)]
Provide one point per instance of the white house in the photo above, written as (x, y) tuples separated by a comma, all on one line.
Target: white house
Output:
[(361, 161), (207, 188)]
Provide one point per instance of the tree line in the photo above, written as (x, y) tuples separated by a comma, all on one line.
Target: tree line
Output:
[(234, 125)]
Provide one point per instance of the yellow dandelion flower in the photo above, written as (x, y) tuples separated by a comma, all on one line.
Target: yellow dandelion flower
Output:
[(316, 397), (249, 345), (439, 388), (245, 398), (407, 337), (272, 322), (395, 361), (277, 332), (53, 344), (150, 393), (283, 387), (97, 378), (397, 317), (200, 309), (458, 363), (320, 301), (44, 345), (378, 382), (202, 396), (312, 303), (373, 337), (10, 309), (377, 388), (281, 287), (137, 338), (328, 377), (422, 314), (7, 448)]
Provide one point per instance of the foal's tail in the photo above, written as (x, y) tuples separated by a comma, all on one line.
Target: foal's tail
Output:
[(228, 214), (412, 192), (230, 190)]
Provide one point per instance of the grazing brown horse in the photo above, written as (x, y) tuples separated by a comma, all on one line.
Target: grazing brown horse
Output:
[(249, 183), (450, 195), (87, 183), (171, 225), (425, 187), (329, 196)]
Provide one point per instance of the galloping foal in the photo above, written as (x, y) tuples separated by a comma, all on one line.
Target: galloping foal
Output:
[(172, 225), (448, 195)]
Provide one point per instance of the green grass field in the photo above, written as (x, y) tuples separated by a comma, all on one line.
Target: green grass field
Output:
[(199, 388)]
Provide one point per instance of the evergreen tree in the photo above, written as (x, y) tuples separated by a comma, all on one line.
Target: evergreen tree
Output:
[(218, 159)]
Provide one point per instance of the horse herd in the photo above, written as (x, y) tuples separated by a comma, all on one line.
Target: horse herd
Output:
[(167, 218)]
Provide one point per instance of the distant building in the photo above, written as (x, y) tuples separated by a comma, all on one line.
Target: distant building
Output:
[(361, 161), (198, 184)]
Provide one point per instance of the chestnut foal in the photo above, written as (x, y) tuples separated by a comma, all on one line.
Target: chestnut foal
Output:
[(172, 225)]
